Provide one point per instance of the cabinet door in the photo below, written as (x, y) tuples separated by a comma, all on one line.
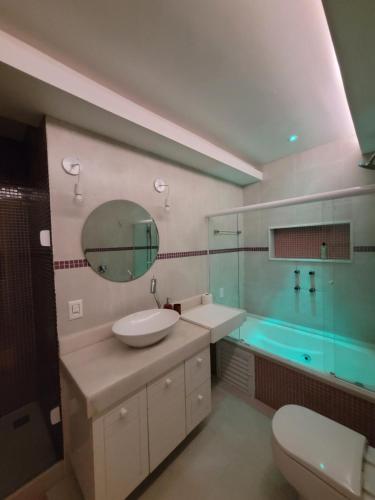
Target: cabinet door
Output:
[(126, 446), (166, 414), (197, 370), (198, 405)]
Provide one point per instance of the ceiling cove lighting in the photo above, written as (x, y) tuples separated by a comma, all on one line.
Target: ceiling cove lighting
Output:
[(293, 138)]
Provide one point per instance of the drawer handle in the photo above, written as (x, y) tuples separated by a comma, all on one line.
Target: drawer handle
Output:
[(199, 361), (168, 382), (200, 397), (123, 412)]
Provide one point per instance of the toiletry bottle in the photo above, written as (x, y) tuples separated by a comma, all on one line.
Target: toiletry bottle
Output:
[(177, 308), (323, 251), (168, 305)]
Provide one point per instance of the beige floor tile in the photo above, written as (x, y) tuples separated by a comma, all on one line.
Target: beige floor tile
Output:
[(229, 457)]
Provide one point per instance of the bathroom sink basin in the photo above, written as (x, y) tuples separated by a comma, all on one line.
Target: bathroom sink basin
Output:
[(145, 328)]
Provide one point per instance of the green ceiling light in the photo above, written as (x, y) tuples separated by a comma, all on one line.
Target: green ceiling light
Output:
[(293, 138)]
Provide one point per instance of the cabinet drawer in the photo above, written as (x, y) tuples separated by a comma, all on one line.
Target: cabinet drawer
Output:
[(166, 414), (126, 412), (197, 370), (198, 405), (126, 446), (166, 386)]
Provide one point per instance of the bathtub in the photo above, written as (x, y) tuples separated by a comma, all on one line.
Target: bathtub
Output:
[(320, 352)]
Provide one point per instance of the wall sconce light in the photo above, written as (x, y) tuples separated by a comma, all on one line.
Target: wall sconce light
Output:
[(72, 166), (160, 186)]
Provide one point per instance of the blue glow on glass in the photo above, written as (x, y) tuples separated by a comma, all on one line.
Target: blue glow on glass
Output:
[(293, 138), (322, 466)]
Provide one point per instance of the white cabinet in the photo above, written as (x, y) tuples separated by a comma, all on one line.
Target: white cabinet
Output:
[(166, 414), (198, 388), (126, 446), (197, 370), (113, 453), (198, 405)]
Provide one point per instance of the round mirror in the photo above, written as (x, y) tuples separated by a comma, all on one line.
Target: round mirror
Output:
[(120, 240)]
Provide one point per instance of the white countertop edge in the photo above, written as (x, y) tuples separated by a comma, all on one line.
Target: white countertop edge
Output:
[(99, 402)]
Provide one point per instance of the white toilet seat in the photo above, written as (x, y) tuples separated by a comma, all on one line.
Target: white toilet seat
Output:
[(321, 458)]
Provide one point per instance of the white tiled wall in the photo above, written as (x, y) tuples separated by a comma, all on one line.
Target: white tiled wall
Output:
[(343, 306), (114, 171)]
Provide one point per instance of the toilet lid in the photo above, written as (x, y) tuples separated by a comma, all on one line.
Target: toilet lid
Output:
[(330, 450)]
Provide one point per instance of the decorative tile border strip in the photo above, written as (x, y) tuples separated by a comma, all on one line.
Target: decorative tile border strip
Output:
[(178, 255), (70, 264), (255, 249), (239, 249), (76, 263), (364, 248), (224, 250), (118, 249)]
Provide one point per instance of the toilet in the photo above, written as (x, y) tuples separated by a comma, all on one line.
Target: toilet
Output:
[(321, 459)]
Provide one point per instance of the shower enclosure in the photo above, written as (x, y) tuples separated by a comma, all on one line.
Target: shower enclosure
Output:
[(30, 431), (304, 270)]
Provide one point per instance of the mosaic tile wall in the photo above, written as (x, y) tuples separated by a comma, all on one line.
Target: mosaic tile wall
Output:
[(44, 302), (17, 331), (277, 385), (29, 363), (305, 242)]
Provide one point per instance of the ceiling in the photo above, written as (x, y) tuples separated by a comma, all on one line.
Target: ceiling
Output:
[(27, 99), (352, 25), (244, 74)]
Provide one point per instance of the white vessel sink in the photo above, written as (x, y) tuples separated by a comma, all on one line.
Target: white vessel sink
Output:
[(145, 328)]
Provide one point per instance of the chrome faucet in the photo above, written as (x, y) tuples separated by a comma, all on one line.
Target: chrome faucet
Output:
[(153, 291)]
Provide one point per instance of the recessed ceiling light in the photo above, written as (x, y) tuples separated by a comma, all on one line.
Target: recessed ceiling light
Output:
[(293, 138)]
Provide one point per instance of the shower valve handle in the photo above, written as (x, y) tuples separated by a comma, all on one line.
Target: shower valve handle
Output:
[(297, 287), (312, 288)]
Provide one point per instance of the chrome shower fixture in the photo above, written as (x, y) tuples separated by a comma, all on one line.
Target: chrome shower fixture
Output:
[(297, 286), (160, 186), (369, 164), (312, 288)]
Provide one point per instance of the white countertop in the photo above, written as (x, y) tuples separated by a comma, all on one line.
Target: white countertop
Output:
[(106, 372), (219, 319)]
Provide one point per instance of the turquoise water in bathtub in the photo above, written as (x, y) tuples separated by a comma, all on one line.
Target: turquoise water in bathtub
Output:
[(313, 349)]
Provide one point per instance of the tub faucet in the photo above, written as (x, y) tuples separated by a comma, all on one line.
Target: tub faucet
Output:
[(153, 291)]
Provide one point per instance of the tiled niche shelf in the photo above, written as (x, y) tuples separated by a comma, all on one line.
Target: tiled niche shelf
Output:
[(303, 242)]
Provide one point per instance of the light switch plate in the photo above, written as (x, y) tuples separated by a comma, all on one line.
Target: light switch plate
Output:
[(45, 238), (75, 309)]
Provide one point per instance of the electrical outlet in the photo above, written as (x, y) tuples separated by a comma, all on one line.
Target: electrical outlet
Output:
[(221, 293), (75, 309)]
